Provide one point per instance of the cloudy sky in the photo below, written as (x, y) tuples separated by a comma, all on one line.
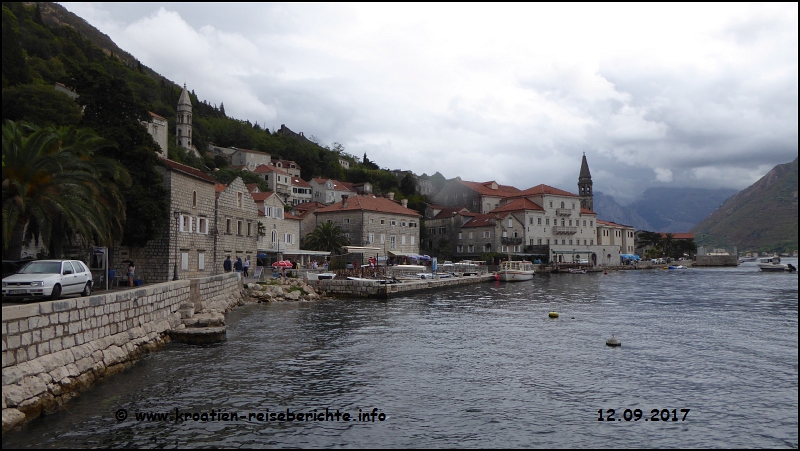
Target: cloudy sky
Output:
[(655, 95)]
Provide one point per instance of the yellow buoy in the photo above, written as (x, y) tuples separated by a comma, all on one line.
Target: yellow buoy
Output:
[(553, 314)]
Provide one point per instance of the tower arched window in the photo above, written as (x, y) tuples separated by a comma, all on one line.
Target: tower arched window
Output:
[(180, 133), (562, 204)]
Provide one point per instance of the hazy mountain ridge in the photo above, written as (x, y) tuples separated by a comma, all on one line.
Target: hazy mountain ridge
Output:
[(761, 217), (608, 209)]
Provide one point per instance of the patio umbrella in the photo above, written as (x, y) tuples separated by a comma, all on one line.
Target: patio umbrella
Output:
[(285, 263), (262, 255)]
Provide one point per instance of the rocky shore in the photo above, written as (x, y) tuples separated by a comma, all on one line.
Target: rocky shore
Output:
[(278, 290)]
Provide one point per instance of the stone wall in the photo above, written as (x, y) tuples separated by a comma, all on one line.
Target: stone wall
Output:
[(53, 350), (372, 289)]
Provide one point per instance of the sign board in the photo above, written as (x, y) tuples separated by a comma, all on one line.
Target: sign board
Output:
[(258, 271), (434, 264)]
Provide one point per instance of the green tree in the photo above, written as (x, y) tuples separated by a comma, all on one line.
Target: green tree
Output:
[(326, 237), (41, 105), (55, 187), (407, 186)]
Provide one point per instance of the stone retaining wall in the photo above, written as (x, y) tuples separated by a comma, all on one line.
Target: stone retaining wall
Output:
[(53, 350)]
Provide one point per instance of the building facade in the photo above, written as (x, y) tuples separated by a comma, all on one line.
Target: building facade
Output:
[(236, 223)]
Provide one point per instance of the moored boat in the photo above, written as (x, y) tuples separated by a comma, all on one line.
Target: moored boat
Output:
[(516, 271), (577, 271)]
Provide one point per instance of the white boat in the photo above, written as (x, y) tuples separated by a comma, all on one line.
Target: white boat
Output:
[(320, 276), (516, 271), (772, 264), (577, 271)]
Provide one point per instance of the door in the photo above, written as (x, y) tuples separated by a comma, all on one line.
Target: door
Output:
[(70, 279)]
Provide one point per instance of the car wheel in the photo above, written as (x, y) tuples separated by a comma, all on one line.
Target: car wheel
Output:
[(56, 293), (87, 290)]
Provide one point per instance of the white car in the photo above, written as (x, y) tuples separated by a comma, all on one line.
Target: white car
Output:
[(49, 279)]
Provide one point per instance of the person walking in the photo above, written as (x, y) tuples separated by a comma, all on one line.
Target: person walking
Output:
[(246, 266), (227, 265), (238, 265), (131, 273)]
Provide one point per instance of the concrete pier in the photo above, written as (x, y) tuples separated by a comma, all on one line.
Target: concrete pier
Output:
[(376, 290)]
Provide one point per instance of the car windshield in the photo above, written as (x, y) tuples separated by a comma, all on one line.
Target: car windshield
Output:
[(41, 268)]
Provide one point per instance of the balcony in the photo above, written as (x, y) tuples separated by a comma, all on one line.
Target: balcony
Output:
[(563, 211), (508, 241), (565, 230)]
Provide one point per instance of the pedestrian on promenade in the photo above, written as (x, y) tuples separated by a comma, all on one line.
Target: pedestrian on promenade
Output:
[(227, 265), (238, 265), (131, 271), (246, 266)]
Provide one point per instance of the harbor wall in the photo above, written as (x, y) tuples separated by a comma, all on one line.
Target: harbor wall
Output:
[(372, 289), (53, 350)]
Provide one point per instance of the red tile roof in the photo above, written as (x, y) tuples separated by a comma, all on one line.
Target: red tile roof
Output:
[(369, 203), (262, 168), (518, 205), (260, 197), (611, 224), (337, 185), (545, 189), (297, 181), (448, 212), (252, 187), (586, 211), (285, 163), (679, 235), (155, 115), (485, 188), (287, 215), (485, 220), (220, 187), (188, 170)]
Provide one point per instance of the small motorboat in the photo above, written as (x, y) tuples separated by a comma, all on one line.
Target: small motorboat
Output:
[(772, 264), (577, 271)]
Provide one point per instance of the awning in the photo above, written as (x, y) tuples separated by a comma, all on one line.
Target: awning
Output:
[(293, 252), (361, 249), (403, 254)]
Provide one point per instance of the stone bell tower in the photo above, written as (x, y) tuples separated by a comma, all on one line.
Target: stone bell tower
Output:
[(585, 186), (184, 121)]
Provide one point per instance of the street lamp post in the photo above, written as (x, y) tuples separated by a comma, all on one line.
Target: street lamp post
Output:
[(177, 216)]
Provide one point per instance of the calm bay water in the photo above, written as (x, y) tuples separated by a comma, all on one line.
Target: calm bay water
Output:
[(480, 366)]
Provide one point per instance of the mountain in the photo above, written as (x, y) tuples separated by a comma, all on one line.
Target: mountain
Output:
[(608, 209), (762, 217), (678, 209)]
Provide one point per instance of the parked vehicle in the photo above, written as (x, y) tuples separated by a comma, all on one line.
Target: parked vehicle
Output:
[(12, 266), (49, 279)]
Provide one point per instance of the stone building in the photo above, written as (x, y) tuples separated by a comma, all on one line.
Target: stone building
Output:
[(157, 127), (612, 234), (308, 219), (287, 166), (249, 159), (301, 191), (329, 191), (490, 232), (281, 230), (477, 197), (375, 222), (585, 186), (188, 237), (444, 223), (236, 223), (279, 181)]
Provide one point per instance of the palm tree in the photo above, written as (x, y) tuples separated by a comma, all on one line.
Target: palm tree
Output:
[(326, 237), (55, 188)]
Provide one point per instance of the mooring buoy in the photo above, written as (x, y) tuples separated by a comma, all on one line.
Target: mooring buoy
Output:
[(553, 314), (613, 341)]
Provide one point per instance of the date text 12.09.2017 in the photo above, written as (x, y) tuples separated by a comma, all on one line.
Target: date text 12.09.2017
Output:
[(636, 415)]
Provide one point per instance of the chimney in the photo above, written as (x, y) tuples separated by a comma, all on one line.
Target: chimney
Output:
[(390, 195), (344, 200), (404, 203)]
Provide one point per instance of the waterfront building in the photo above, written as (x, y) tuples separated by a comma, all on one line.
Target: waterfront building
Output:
[(488, 233), (287, 166), (308, 219), (611, 234), (187, 238), (375, 222), (236, 222), (281, 229), (278, 180), (300, 192), (443, 227)]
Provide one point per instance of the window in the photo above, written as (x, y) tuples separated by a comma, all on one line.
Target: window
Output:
[(487, 234), (347, 220), (238, 227), (403, 240), (584, 242), (505, 234), (570, 242), (442, 230), (584, 223), (460, 235), (403, 223), (548, 241), (371, 238), (570, 222), (412, 240), (562, 204), (432, 230), (591, 223), (546, 221), (540, 241), (563, 222), (239, 200), (470, 235), (184, 223), (591, 242), (383, 238), (227, 226), (184, 261), (459, 248), (274, 237), (394, 223), (371, 220), (249, 225), (472, 248), (504, 249), (510, 224), (551, 204), (392, 241), (202, 225), (538, 221), (194, 198), (201, 261), (563, 242), (383, 221)]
